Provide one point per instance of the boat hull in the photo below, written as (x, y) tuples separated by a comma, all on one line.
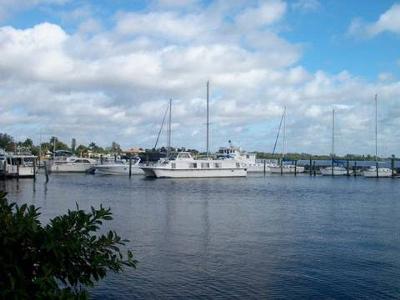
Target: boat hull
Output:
[(336, 172), (192, 173), (20, 172), (382, 173), (286, 170), (117, 170), (70, 168), (257, 169)]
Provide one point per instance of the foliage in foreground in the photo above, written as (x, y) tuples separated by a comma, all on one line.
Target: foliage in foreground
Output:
[(56, 260)]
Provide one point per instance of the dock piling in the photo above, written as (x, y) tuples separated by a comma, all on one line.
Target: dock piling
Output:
[(5, 169), (295, 167), (34, 169), (310, 165), (392, 165), (347, 167), (46, 170), (130, 166)]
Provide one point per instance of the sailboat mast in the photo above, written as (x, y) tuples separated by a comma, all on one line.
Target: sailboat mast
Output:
[(376, 128), (284, 133), (333, 133), (169, 129), (162, 125), (208, 118)]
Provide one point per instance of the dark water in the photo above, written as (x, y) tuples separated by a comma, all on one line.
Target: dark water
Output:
[(255, 237)]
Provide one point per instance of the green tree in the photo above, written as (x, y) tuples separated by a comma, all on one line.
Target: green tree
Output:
[(7, 142), (56, 260)]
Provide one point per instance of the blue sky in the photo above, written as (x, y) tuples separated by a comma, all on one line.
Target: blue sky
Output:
[(102, 71)]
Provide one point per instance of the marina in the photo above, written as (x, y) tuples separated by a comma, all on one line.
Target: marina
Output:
[(199, 149)]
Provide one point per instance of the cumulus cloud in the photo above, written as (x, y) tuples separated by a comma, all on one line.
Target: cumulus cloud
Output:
[(389, 21), (102, 84), (266, 13), (306, 5)]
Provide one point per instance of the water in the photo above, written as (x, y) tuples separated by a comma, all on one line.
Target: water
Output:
[(255, 237)]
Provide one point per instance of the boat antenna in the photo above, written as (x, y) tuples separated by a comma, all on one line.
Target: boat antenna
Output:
[(277, 136), (169, 129), (208, 118), (162, 125)]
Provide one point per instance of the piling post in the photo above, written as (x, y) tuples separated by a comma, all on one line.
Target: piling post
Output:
[(130, 166), (332, 162), (46, 170), (314, 169), (264, 167), (310, 165), (347, 168), (295, 167), (392, 165), (34, 168), (377, 170), (5, 169), (17, 170), (355, 168), (281, 166), (101, 159)]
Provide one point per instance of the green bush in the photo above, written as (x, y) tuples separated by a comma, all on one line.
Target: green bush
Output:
[(57, 260)]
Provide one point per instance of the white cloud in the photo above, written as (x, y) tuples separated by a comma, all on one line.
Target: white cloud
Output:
[(306, 5), (98, 84), (389, 21), (267, 13)]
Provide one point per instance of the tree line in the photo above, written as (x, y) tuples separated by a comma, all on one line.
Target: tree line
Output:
[(8, 143)]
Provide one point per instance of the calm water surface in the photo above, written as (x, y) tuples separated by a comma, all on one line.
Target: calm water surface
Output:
[(255, 237)]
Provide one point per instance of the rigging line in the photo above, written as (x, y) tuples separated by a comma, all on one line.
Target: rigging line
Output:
[(277, 136), (162, 125)]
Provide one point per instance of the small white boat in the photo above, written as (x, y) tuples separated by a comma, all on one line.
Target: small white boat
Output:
[(185, 166), (18, 165), (286, 169), (382, 172), (335, 171), (72, 165), (119, 168)]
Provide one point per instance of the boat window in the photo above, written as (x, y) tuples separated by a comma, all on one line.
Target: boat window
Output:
[(205, 165), (184, 155), (173, 165), (237, 165), (218, 165), (193, 165)]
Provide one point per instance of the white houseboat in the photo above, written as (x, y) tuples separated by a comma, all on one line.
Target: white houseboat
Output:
[(185, 166), (18, 165)]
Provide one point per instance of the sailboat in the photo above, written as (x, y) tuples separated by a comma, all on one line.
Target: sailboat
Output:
[(183, 165), (284, 168), (334, 170), (376, 171)]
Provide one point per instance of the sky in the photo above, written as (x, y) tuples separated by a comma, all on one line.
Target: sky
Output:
[(103, 71)]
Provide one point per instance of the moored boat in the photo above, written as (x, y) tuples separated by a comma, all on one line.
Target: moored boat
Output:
[(185, 166), (72, 165), (119, 168), (378, 172), (335, 171)]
